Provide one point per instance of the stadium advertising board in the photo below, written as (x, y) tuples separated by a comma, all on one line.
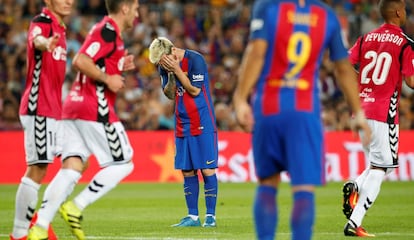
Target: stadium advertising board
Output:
[(154, 156)]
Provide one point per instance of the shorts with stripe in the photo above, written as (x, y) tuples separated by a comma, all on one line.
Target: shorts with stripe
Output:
[(107, 141), (41, 138), (382, 151)]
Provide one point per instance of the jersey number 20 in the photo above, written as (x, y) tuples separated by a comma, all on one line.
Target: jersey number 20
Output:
[(379, 65)]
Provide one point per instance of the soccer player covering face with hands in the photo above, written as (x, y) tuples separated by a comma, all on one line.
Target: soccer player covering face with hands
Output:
[(90, 124), (288, 39), (41, 106), (385, 57), (185, 79)]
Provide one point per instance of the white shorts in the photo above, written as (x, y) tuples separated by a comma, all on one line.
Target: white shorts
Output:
[(41, 138), (108, 142), (383, 148)]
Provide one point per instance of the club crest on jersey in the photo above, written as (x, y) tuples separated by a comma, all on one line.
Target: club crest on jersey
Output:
[(180, 91)]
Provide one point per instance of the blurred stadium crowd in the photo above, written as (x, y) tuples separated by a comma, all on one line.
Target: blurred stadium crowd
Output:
[(217, 28)]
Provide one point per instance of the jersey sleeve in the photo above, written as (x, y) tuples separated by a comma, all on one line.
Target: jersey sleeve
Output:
[(163, 76), (354, 52), (408, 60), (258, 23), (198, 73), (40, 26), (337, 50), (99, 43)]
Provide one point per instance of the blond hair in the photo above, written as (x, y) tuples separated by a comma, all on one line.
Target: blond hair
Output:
[(159, 47)]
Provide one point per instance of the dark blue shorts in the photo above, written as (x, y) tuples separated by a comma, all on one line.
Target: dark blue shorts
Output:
[(196, 152), (291, 142)]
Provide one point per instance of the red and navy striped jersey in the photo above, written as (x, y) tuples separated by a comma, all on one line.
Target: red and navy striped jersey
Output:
[(45, 70), (89, 99), (384, 56), (193, 115), (297, 37)]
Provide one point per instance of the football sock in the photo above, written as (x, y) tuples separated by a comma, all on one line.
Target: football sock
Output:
[(265, 212), (361, 178), (56, 192), (104, 181), (194, 217), (26, 201), (210, 193), (303, 215), (367, 194), (191, 191)]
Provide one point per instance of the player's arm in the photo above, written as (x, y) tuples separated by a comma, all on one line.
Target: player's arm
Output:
[(185, 81), (46, 44), (128, 62), (172, 64), (250, 69), (410, 81), (170, 87), (86, 66), (346, 79), (408, 66)]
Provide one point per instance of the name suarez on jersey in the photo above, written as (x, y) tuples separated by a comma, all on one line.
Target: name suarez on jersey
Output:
[(384, 37), (302, 18)]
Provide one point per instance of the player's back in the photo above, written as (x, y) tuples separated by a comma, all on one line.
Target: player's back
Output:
[(384, 56), (297, 35)]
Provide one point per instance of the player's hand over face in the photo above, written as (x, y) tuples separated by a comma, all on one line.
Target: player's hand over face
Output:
[(244, 116), (170, 63), (359, 123), (115, 82)]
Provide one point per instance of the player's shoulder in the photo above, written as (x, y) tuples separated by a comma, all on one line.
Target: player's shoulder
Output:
[(325, 7), (409, 40), (106, 30), (194, 55), (42, 18)]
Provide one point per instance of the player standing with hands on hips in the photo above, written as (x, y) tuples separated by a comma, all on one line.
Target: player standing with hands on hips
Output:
[(184, 77), (385, 56), (279, 70), (41, 106), (90, 124)]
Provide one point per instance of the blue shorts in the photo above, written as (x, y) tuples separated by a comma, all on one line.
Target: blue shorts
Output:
[(291, 142), (196, 152)]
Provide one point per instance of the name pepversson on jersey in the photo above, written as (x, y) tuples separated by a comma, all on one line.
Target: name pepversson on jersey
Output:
[(384, 37)]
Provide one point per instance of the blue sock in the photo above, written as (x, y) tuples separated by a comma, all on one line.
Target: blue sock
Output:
[(303, 215), (191, 190), (265, 212), (210, 193)]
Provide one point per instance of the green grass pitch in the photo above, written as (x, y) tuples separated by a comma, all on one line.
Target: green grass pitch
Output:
[(145, 211)]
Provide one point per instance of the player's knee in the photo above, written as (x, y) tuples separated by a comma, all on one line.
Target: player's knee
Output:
[(37, 172), (74, 163), (388, 170), (208, 172)]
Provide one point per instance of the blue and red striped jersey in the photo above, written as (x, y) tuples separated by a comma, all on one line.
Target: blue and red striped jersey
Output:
[(296, 44), (193, 115)]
